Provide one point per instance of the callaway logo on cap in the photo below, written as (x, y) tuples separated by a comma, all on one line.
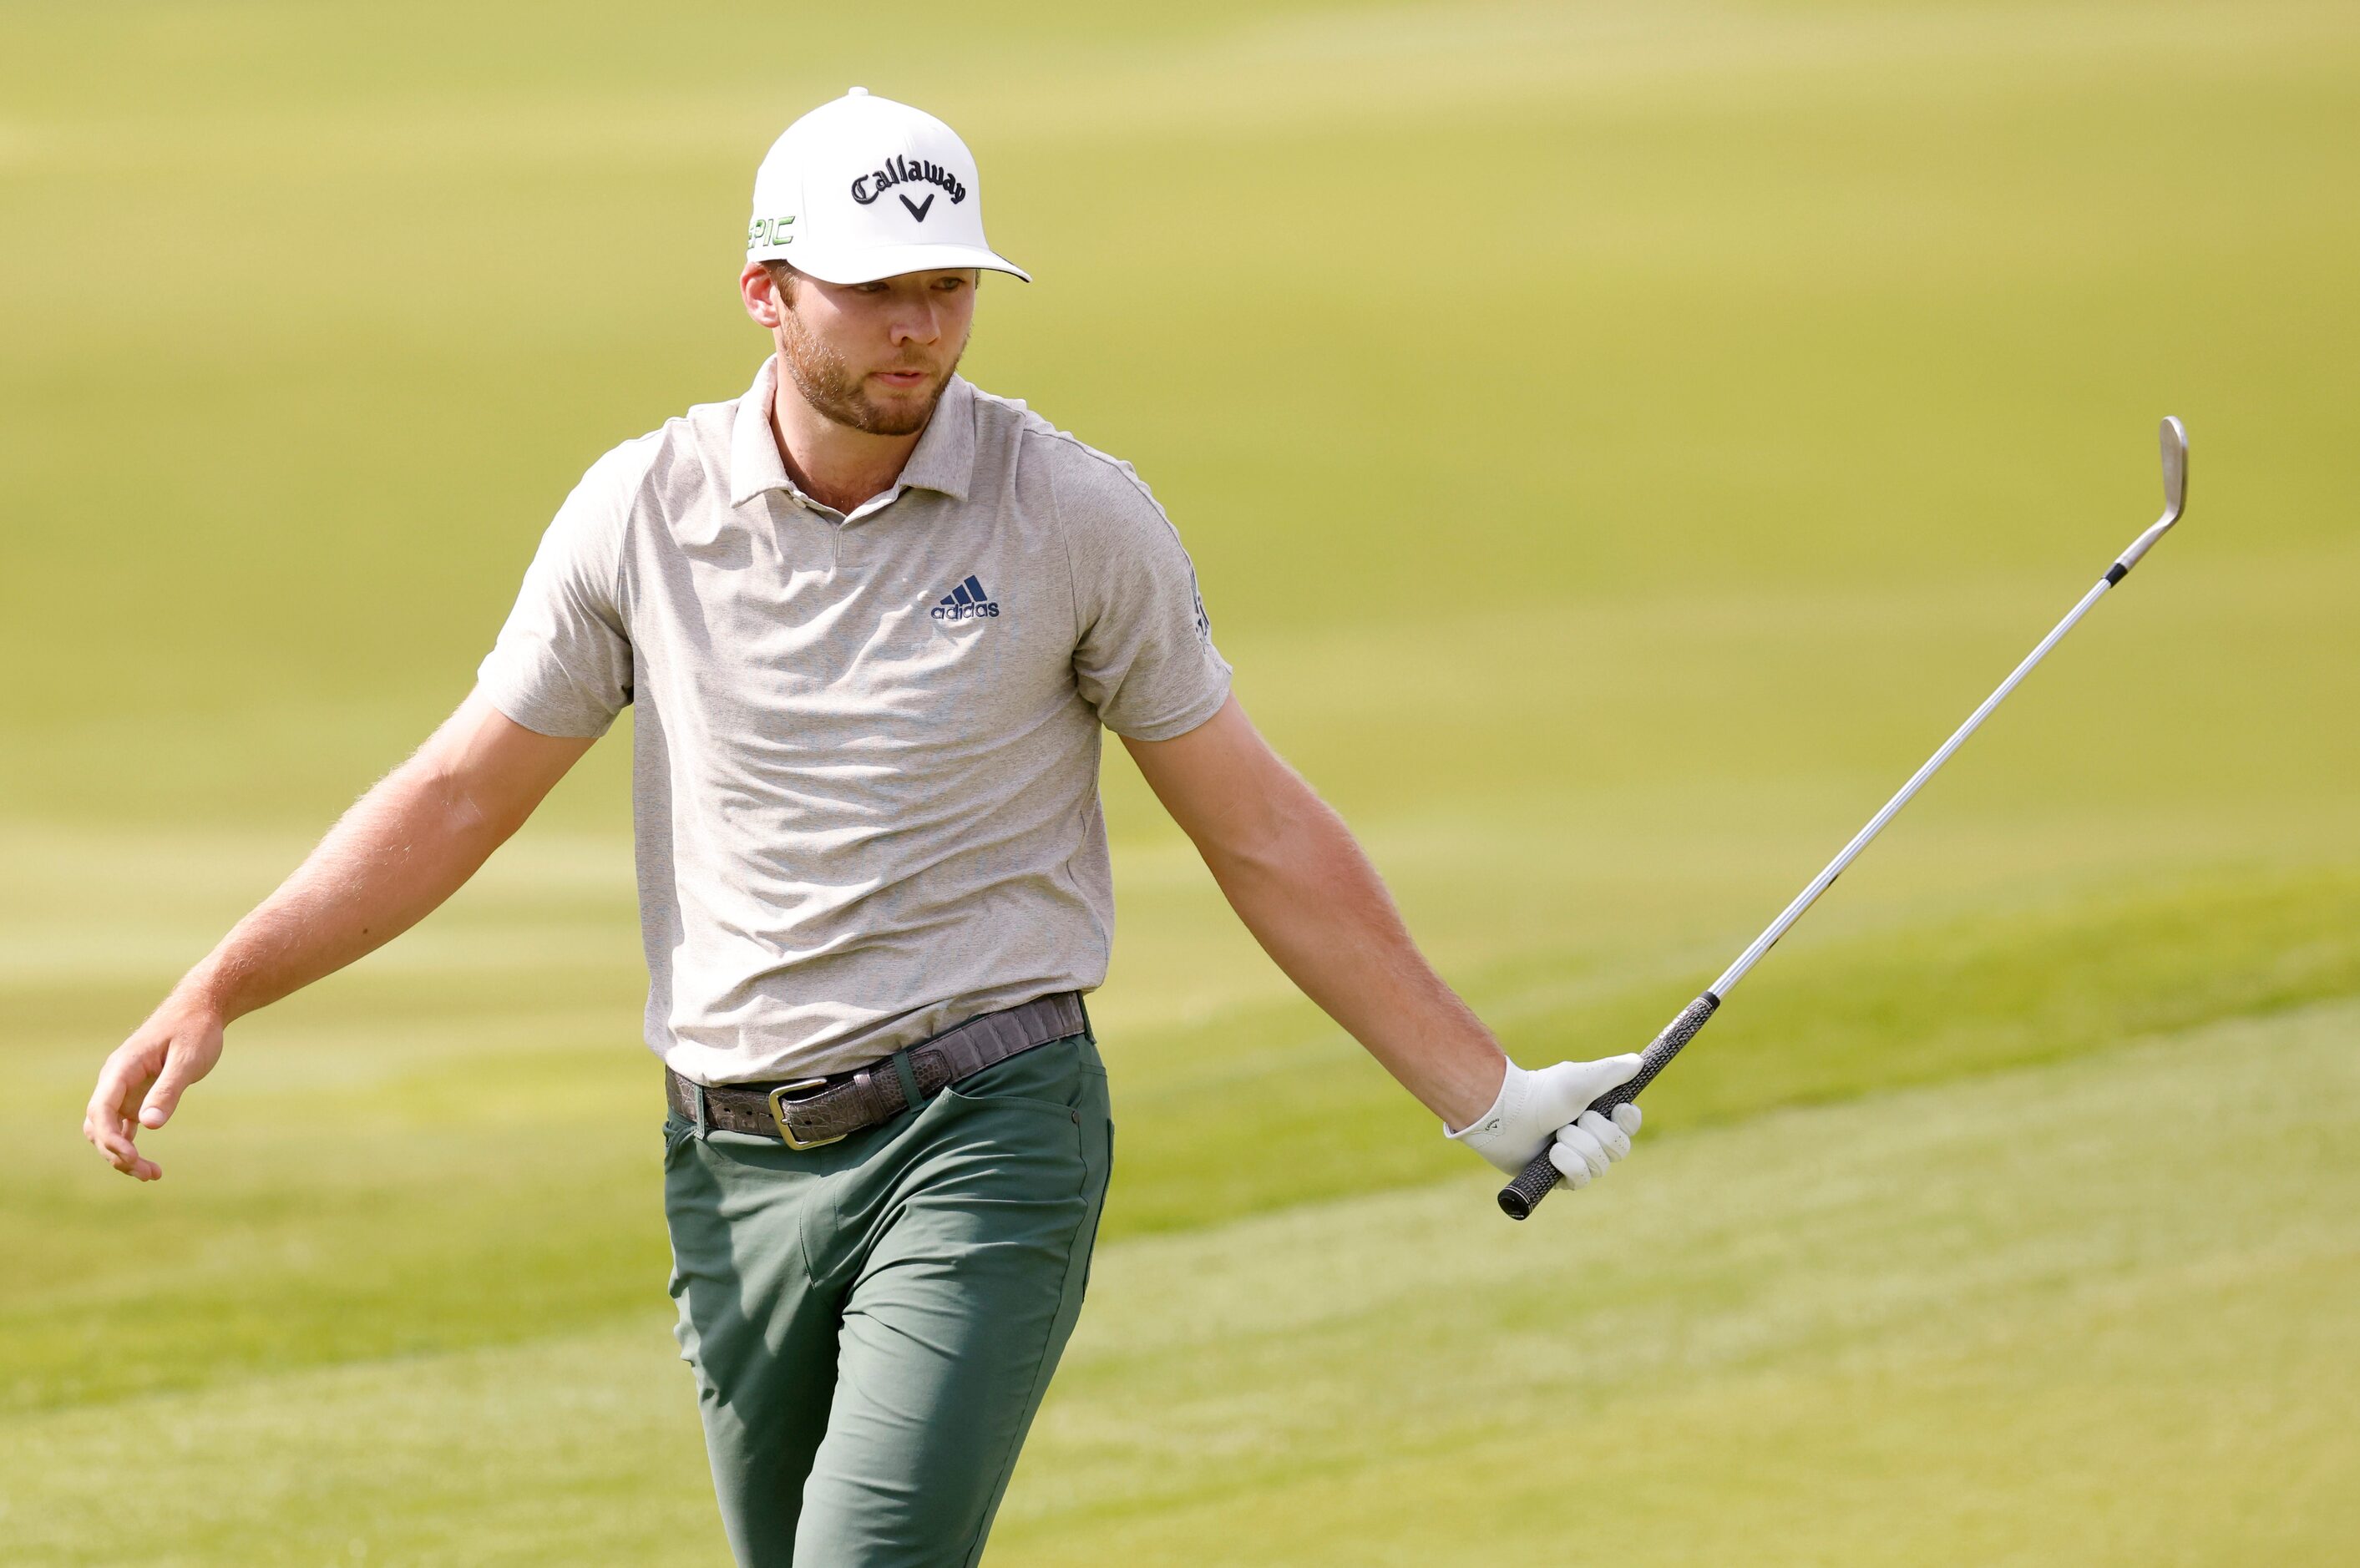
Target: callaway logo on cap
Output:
[(864, 187)]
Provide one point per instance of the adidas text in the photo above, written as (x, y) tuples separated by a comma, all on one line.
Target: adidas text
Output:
[(968, 602)]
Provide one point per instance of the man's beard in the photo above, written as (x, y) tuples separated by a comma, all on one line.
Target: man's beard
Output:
[(828, 384)]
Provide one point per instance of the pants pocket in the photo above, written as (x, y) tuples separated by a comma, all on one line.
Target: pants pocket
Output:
[(1053, 1077)]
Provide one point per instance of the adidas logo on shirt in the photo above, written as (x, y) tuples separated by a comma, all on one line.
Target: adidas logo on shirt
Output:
[(968, 602)]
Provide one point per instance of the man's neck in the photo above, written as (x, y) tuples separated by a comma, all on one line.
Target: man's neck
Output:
[(834, 464)]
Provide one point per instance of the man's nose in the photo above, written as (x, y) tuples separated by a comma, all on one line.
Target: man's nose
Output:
[(917, 324)]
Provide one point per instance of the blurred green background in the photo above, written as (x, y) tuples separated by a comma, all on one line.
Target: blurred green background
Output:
[(1618, 440)]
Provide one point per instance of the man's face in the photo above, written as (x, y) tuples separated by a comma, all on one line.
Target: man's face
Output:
[(876, 357)]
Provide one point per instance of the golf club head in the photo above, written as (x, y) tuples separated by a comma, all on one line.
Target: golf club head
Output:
[(2174, 437)]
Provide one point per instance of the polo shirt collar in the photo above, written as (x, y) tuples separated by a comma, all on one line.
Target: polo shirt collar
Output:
[(754, 463), (943, 459)]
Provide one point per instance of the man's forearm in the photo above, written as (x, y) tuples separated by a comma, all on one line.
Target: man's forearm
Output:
[(405, 847), (1310, 897), (400, 851)]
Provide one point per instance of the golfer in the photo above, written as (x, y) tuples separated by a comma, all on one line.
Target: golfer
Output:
[(873, 619)]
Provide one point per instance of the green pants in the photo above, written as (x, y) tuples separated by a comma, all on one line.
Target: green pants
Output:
[(872, 1323)]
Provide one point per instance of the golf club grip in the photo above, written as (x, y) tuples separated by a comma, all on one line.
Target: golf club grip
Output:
[(1520, 1197)]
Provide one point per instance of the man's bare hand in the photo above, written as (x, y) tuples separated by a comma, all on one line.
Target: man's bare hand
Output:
[(142, 1082)]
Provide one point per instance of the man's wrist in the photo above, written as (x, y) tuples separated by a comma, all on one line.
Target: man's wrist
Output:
[(210, 990), (1474, 1111), (1495, 1133)]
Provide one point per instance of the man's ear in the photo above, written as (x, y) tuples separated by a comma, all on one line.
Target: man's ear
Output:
[(760, 296)]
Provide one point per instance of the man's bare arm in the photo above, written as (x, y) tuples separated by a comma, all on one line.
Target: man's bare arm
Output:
[(403, 848), (1298, 880)]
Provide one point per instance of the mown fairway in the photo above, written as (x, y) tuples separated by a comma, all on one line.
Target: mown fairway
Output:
[(1618, 441)]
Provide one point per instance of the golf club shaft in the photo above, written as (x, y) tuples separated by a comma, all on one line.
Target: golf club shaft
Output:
[(1524, 1194), (1769, 938)]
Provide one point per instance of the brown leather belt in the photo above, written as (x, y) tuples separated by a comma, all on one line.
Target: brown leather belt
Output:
[(809, 1112)]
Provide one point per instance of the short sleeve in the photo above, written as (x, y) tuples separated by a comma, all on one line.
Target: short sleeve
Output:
[(563, 664), (1143, 653)]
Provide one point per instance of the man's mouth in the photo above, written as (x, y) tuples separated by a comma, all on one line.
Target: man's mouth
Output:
[(903, 378)]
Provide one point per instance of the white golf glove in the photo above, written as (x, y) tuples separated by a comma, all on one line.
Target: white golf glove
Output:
[(1549, 1109)]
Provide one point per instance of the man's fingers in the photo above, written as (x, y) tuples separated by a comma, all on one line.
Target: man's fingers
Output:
[(1621, 1070), (101, 1121), (111, 1135), (1563, 1091), (111, 1097), (1577, 1138), (177, 1075), (125, 1156), (1612, 1138), (108, 1122), (1571, 1165), (118, 1150), (1627, 1117)]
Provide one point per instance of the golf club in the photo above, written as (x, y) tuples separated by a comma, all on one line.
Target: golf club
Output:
[(1521, 1196)]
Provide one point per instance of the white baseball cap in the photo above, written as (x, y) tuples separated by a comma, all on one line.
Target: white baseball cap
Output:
[(863, 187)]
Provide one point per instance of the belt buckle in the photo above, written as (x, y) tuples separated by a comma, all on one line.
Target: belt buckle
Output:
[(778, 1097)]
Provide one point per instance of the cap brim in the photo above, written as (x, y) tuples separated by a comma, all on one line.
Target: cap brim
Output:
[(885, 261)]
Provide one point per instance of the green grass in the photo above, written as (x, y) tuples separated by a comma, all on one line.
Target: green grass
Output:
[(1618, 441), (1759, 1354), (2094, 1311)]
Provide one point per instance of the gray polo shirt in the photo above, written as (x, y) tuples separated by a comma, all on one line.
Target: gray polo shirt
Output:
[(865, 783)]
